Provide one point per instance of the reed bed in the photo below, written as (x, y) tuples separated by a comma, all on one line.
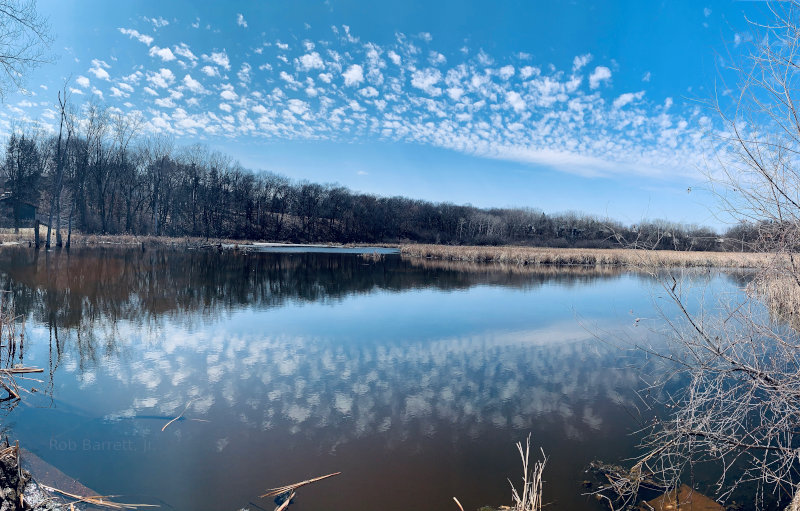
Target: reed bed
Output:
[(529, 497), (589, 257), (515, 269)]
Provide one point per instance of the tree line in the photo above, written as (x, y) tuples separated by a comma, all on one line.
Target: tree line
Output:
[(95, 174)]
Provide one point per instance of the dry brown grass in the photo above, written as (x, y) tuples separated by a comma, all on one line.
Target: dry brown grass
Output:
[(516, 269), (590, 257), (26, 236)]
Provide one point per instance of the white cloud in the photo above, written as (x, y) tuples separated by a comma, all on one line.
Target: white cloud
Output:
[(627, 98), (244, 73), (82, 81), (528, 71), (286, 77), (646, 77), (228, 95), (157, 22), (297, 106), (98, 69), (165, 54), (162, 79), (426, 80), (354, 75), (193, 85), (580, 61), (436, 59), (165, 102), (241, 21), (310, 61), (599, 75), (706, 12), (182, 50), (506, 72), (219, 58), (134, 34), (395, 58), (516, 102), (116, 92), (209, 71), (368, 92)]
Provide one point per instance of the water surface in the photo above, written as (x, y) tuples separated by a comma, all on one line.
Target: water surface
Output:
[(413, 378)]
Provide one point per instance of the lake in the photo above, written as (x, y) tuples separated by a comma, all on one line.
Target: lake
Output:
[(413, 378)]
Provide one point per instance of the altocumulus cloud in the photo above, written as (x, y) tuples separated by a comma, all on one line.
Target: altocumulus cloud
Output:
[(342, 88)]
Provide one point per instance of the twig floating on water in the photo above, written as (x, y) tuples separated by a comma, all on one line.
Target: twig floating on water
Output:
[(179, 416), (291, 487)]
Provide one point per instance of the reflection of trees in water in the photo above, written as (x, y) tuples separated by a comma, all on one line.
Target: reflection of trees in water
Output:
[(138, 310), (83, 294)]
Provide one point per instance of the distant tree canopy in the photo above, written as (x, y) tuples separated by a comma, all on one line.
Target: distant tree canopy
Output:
[(95, 176)]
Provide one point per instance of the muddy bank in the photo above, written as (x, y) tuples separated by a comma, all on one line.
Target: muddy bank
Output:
[(18, 490)]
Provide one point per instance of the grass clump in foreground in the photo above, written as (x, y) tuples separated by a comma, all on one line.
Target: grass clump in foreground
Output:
[(529, 498), (589, 257)]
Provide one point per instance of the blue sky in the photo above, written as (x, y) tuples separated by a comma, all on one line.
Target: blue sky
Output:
[(578, 105)]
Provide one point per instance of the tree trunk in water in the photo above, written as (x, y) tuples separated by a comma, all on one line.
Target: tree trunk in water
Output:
[(69, 228)]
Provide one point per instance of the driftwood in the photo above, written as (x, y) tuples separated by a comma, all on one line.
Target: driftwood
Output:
[(291, 487), (97, 500), (21, 370)]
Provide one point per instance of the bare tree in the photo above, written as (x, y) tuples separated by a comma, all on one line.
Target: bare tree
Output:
[(62, 147), (24, 42), (736, 368)]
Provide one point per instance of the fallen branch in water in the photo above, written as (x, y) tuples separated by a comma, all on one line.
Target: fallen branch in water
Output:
[(291, 487), (179, 416), (21, 370), (286, 502), (97, 500)]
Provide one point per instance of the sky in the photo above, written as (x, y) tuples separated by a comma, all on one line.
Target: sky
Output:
[(589, 106)]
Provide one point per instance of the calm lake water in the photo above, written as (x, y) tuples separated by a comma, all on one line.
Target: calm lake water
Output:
[(414, 379)]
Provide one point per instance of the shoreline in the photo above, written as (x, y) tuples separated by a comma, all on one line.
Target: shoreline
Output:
[(505, 254)]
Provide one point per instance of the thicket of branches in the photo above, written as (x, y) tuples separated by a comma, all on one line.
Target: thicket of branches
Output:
[(736, 400)]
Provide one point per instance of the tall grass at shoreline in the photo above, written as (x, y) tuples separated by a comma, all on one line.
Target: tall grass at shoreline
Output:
[(589, 257)]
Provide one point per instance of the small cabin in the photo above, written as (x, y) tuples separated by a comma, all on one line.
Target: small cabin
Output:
[(11, 208)]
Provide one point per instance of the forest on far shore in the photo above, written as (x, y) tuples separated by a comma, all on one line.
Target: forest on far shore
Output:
[(96, 176)]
